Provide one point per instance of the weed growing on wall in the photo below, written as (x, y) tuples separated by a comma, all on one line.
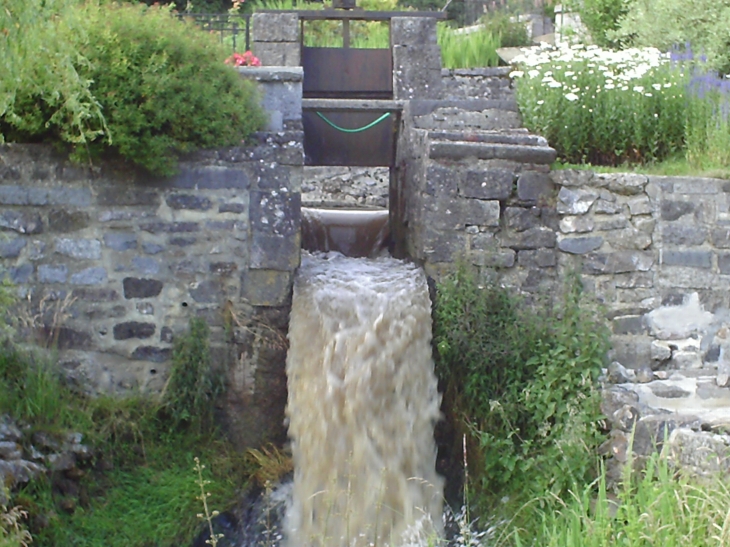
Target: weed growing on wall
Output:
[(193, 387), (521, 383)]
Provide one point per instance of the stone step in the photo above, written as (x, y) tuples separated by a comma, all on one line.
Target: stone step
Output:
[(457, 150), (510, 136)]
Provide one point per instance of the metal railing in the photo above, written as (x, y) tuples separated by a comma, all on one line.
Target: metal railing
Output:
[(233, 30)]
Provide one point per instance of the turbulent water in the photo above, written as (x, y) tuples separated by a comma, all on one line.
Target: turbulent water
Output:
[(362, 404)]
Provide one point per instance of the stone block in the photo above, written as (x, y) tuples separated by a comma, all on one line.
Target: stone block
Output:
[(61, 220), (117, 195), (605, 223), (277, 213), (95, 295), (413, 31), (684, 185), (21, 222), (577, 224), (674, 210), (274, 252), (120, 241), (720, 238), (145, 265), (618, 262), (266, 287), (580, 245), (221, 225), (188, 202), (12, 248), (90, 276), (723, 263), (606, 207), (21, 274), (52, 273), (478, 212), (690, 259), (278, 53), (151, 353), (442, 180), (520, 219), (628, 238), (133, 329), (135, 287), (272, 176), (179, 241), (275, 27), (628, 324), (85, 249), (207, 292), (534, 187), (170, 227), (540, 258), (211, 177), (233, 207), (498, 258), (534, 238), (152, 248), (490, 184), (223, 269), (683, 234), (627, 184), (640, 205), (575, 201), (574, 178), (439, 246), (68, 338)]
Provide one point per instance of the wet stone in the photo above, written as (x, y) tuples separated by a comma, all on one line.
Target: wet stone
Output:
[(188, 201), (141, 288), (151, 353), (23, 223), (60, 220), (133, 329)]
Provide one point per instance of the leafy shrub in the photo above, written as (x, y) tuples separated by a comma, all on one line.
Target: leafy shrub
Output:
[(511, 33), (467, 50), (160, 82), (41, 84), (193, 386), (521, 380), (601, 18)]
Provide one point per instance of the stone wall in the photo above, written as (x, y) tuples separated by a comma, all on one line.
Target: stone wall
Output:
[(111, 264)]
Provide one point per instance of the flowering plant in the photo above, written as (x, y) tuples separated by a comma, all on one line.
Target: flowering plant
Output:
[(603, 107), (243, 59)]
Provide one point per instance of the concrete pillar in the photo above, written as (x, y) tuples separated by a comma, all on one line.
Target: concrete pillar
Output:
[(416, 58), (276, 39)]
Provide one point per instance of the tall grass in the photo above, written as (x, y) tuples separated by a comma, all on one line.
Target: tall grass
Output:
[(655, 507), (468, 50)]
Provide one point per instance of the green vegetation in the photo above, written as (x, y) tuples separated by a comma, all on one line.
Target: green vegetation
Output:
[(653, 507), (140, 487), (468, 50), (131, 80), (601, 18), (520, 382)]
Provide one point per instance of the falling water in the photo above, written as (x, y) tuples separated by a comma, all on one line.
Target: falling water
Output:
[(362, 403)]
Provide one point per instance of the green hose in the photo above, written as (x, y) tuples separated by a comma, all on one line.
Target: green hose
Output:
[(359, 129)]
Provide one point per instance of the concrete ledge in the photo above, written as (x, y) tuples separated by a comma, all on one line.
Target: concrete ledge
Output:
[(272, 73), (427, 106), (494, 71), (486, 151), (351, 104), (514, 136)]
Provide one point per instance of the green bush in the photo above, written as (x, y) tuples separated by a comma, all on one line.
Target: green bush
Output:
[(601, 18), (41, 86), (160, 82), (521, 380), (467, 50), (511, 33)]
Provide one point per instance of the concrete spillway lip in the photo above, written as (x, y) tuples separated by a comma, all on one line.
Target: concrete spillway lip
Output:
[(352, 232)]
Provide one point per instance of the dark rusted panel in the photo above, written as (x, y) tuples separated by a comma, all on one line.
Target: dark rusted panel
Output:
[(325, 145), (347, 73)]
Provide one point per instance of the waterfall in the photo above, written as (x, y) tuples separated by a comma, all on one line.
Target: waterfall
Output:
[(362, 404)]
